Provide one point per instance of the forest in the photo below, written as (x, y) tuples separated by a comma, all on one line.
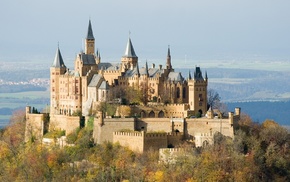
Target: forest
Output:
[(258, 152)]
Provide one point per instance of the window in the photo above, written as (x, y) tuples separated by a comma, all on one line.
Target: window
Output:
[(178, 93), (184, 92)]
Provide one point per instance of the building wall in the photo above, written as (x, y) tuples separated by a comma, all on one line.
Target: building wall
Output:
[(62, 122), (34, 126), (132, 140), (103, 131), (154, 141), (205, 125), (154, 124)]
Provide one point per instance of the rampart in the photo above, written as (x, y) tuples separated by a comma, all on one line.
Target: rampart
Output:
[(63, 122), (142, 141), (169, 155), (34, 126), (103, 131)]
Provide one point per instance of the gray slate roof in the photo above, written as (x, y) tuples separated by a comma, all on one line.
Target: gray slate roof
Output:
[(104, 85), (152, 72), (58, 61), (88, 58), (96, 81), (90, 34), (109, 66), (175, 76), (129, 52), (198, 74)]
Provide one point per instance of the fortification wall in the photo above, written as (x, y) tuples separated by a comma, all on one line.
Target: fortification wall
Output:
[(205, 125), (174, 138), (62, 122), (34, 126), (132, 140), (154, 124), (104, 132), (154, 141)]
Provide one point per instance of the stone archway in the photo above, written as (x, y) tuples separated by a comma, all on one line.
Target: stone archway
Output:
[(205, 143), (151, 114), (161, 114), (143, 114)]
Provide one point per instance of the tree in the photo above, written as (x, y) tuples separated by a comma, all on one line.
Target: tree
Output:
[(213, 99)]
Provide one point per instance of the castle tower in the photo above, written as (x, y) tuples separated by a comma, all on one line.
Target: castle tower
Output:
[(58, 68), (197, 96), (130, 59), (90, 41)]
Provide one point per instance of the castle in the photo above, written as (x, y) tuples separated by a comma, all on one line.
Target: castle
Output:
[(166, 101)]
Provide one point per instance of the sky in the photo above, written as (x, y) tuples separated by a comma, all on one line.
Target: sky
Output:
[(194, 29)]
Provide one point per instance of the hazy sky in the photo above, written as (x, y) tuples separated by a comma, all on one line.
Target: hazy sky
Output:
[(195, 29)]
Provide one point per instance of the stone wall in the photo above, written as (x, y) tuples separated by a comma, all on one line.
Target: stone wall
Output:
[(34, 126), (132, 140), (104, 132), (174, 139), (154, 124), (154, 141), (62, 122), (205, 125)]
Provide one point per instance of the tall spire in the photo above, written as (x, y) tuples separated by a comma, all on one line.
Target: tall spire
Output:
[(58, 61), (90, 34), (138, 72), (189, 75), (129, 52), (168, 62), (146, 67)]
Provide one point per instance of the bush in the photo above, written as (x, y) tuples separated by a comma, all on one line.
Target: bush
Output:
[(54, 134)]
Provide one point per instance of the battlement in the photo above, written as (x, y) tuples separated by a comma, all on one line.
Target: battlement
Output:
[(130, 134)]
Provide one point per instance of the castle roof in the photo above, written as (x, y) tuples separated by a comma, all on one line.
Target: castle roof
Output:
[(104, 85), (90, 31), (175, 76), (58, 61), (109, 66), (95, 81), (88, 58), (198, 74), (129, 52)]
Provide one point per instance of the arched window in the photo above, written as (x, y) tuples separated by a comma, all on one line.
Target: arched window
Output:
[(151, 114), (161, 114), (184, 92), (205, 143), (178, 93), (143, 114)]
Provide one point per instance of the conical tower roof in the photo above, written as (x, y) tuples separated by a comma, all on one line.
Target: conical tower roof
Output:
[(90, 34), (129, 52), (58, 61)]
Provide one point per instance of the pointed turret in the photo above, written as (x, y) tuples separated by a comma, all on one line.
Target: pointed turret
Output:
[(189, 75), (129, 52), (98, 56), (138, 72), (90, 34), (90, 41), (130, 58), (168, 62), (146, 68), (206, 75), (58, 61)]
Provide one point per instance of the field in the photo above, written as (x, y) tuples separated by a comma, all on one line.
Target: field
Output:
[(15, 101)]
